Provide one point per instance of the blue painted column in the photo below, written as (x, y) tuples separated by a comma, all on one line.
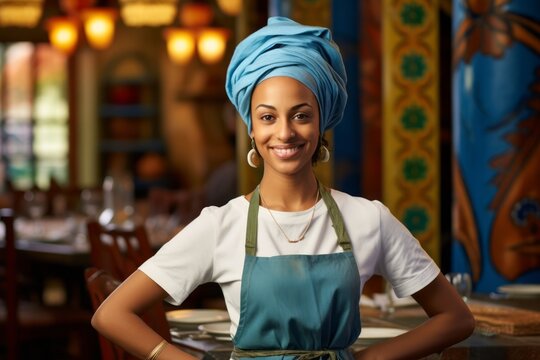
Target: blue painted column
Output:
[(496, 139), (348, 134)]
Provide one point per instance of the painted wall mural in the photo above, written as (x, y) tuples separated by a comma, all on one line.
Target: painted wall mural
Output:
[(496, 117), (411, 174)]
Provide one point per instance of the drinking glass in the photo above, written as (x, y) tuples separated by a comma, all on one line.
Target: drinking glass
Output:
[(462, 282), (36, 207), (91, 202)]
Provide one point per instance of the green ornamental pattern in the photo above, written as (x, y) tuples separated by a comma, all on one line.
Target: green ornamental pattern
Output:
[(416, 219), (413, 66), (413, 14), (414, 118), (415, 169)]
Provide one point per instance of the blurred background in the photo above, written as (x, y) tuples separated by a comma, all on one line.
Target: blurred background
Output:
[(122, 103)]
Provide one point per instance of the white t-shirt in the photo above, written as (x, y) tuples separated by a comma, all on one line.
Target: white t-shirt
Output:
[(211, 247)]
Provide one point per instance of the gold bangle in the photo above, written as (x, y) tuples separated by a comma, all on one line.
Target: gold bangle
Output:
[(157, 350)]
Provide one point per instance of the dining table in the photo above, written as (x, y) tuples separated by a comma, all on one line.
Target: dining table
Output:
[(56, 250), (505, 335)]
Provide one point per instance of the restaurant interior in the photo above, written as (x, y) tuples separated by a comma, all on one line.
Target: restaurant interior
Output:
[(115, 131)]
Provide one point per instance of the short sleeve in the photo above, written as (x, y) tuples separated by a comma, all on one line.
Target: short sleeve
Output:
[(186, 260), (404, 263)]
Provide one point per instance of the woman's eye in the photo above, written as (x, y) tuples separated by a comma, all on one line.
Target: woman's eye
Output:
[(267, 117), (301, 116)]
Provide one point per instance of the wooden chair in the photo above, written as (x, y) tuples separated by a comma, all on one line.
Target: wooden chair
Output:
[(121, 251), (117, 250), (26, 321), (100, 285)]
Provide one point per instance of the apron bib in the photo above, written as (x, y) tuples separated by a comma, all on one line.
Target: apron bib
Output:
[(298, 306)]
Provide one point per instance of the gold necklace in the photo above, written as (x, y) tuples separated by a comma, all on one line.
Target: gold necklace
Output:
[(303, 234)]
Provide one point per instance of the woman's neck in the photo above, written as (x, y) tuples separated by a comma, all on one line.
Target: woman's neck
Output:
[(289, 193)]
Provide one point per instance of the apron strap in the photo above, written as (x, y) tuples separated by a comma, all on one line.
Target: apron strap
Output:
[(333, 210), (337, 220), (253, 217)]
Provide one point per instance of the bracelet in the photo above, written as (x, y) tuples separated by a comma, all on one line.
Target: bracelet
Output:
[(157, 350)]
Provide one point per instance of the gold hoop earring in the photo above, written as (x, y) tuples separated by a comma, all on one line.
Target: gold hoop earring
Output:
[(324, 154), (253, 156)]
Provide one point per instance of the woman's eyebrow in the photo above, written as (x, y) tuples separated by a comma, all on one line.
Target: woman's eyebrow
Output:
[(295, 107), (266, 106)]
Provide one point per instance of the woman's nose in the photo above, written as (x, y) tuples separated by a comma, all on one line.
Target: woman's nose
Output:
[(286, 131)]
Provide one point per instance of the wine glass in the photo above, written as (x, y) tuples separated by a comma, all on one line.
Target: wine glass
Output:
[(462, 282), (36, 207), (91, 202)]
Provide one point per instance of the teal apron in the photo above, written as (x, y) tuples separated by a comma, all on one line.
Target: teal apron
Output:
[(298, 306)]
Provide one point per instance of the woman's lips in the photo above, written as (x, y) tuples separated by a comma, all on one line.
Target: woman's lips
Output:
[(286, 152)]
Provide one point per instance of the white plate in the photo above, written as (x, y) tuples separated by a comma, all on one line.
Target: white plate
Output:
[(196, 316), (380, 332), (529, 290), (217, 328)]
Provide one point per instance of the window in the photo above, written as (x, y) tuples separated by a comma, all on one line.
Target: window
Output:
[(33, 115)]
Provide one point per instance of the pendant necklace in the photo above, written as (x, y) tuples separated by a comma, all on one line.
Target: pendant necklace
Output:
[(302, 235)]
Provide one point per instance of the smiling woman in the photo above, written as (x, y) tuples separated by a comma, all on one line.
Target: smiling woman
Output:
[(291, 275)]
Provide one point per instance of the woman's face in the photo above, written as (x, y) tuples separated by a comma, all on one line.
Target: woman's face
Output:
[(285, 124)]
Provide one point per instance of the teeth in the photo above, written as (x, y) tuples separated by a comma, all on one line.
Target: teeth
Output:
[(286, 151)]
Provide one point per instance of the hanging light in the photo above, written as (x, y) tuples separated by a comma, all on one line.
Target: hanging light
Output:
[(63, 33), (180, 44), (73, 7), (211, 44), (230, 7), (148, 12), (194, 15), (21, 13), (99, 26)]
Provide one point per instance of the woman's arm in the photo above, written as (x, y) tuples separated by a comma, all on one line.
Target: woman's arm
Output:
[(117, 318), (450, 321)]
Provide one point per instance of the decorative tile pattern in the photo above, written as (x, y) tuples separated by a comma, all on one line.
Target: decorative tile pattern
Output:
[(410, 120)]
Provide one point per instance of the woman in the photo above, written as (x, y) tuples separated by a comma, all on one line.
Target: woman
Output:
[(292, 256)]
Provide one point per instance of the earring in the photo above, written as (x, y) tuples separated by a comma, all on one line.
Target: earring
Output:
[(324, 154), (252, 156)]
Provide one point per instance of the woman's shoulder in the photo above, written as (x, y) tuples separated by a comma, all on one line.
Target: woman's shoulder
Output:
[(230, 211), (346, 199), (358, 208)]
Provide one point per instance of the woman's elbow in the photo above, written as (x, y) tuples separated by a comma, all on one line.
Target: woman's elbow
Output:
[(100, 319), (466, 324)]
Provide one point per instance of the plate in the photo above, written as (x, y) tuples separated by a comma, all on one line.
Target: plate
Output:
[(196, 316), (523, 290), (217, 328), (380, 332)]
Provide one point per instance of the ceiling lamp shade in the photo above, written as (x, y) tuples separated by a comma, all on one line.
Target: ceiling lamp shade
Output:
[(99, 26), (211, 44), (230, 7), (73, 7), (180, 44), (20, 13), (194, 15), (63, 33), (148, 12)]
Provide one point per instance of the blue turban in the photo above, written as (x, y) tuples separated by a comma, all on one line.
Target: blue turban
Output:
[(287, 48)]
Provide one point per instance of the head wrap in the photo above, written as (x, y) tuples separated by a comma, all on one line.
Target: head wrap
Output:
[(287, 48)]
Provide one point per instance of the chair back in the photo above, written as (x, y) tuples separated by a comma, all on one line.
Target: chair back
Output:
[(8, 261), (117, 250), (100, 285)]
